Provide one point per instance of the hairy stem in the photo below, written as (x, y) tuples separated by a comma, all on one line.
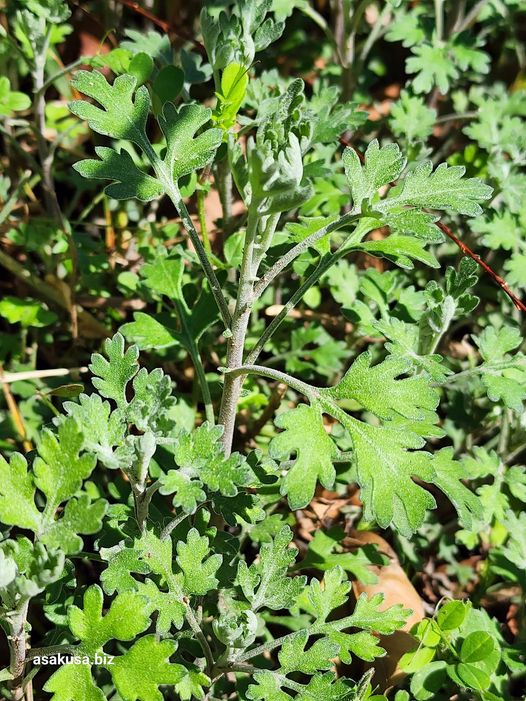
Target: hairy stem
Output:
[(224, 187), (17, 650), (293, 382), (236, 343), (249, 290), (192, 621), (171, 525), (472, 15), (201, 638), (50, 650), (46, 161)]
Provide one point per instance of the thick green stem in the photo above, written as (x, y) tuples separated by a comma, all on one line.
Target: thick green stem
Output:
[(494, 368), (351, 621), (46, 158), (201, 638), (172, 525), (50, 650)]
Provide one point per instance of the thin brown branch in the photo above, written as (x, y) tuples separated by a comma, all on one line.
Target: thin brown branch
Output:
[(164, 26), (474, 256)]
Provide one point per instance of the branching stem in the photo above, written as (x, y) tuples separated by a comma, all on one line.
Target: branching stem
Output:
[(300, 248), (325, 263)]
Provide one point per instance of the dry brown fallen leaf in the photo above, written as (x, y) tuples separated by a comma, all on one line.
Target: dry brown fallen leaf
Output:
[(394, 584)]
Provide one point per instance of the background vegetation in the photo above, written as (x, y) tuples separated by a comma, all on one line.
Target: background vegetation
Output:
[(431, 302)]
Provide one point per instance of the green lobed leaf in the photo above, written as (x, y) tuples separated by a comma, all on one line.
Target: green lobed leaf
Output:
[(113, 374), (448, 475), (264, 582), (199, 570), (201, 462), (73, 682), (404, 342), (413, 222), (364, 645), (391, 495), (104, 430), (382, 164), (152, 402), (123, 111), (124, 620), (331, 595), (17, 494), (294, 658), (144, 667), (305, 438), (378, 389), (149, 555), (503, 385), (433, 66), (129, 180), (267, 688), (442, 188), (80, 516), (118, 574), (191, 685), (36, 568), (327, 687), (369, 616), (186, 152), (411, 118), (59, 468)]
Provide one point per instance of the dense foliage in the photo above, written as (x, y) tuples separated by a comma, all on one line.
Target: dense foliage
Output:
[(262, 350)]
